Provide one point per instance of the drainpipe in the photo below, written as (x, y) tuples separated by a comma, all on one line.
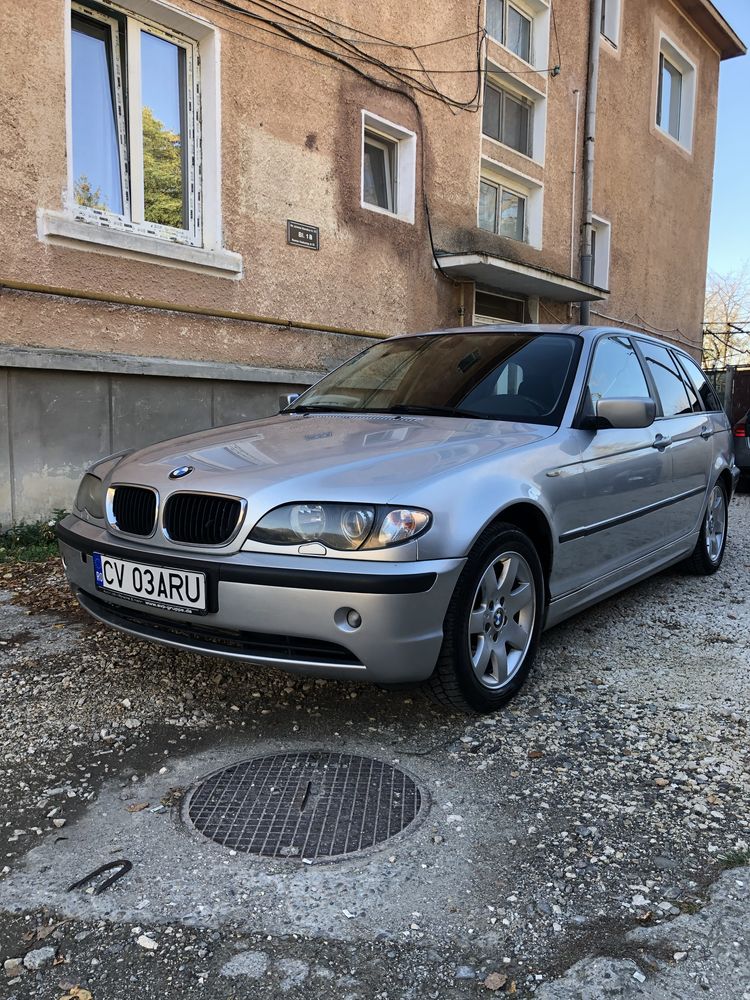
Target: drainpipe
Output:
[(574, 184), (592, 84)]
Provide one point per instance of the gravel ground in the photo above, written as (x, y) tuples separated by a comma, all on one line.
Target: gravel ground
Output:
[(581, 839)]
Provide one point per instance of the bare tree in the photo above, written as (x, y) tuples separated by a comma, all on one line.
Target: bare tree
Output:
[(726, 318)]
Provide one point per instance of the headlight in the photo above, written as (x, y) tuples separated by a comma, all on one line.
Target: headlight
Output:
[(90, 496), (340, 526)]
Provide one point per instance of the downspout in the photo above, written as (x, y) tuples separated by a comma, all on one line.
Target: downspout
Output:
[(573, 186), (592, 86)]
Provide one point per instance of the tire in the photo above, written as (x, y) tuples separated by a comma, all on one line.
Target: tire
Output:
[(489, 641), (708, 553)]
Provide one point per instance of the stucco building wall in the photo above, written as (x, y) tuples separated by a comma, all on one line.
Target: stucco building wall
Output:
[(290, 148)]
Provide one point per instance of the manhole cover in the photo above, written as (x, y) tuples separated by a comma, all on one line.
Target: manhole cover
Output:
[(310, 805)]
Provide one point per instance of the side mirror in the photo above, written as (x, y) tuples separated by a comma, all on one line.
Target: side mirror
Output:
[(624, 413), (287, 398)]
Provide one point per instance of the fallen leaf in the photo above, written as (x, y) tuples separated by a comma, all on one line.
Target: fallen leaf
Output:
[(495, 980), (137, 807), (535, 754), (512, 987), (172, 797), (77, 993)]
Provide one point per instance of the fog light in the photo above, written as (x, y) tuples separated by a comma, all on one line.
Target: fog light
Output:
[(353, 618)]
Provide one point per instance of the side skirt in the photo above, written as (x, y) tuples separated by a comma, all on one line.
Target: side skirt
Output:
[(570, 604)]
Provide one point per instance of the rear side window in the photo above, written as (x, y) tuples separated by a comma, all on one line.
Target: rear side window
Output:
[(669, 383), (702, 386), (616, 372)]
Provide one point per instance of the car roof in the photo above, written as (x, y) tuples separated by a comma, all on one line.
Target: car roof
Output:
[(585, 332)]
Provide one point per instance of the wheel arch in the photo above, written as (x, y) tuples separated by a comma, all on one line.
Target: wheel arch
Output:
[(532, 521)]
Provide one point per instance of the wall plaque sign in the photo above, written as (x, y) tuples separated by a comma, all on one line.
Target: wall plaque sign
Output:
[(299, 234)]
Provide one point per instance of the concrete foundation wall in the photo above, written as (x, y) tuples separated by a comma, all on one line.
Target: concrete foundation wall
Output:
[(53, 424)]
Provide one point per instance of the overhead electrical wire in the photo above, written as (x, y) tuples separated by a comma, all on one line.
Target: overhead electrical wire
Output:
[(347, 50)]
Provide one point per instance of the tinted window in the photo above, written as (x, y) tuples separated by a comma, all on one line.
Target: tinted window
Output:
[(695, 404), (669, 383), (702, 385), (506, 376), (616, 372)]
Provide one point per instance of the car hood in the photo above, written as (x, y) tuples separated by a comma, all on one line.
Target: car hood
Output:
[(327, 456)]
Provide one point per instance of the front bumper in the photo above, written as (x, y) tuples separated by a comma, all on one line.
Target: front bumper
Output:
[(283, 610)]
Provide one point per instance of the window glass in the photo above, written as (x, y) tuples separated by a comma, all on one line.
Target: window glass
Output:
[(456, 373), (616, 372), (670, 97), (518, 38), (164, 139), (495, 19), (700, 382), (379, 165), (491, 112), (511, 221), (487, 206), (515, 124), (695, 404), (610, 20), (669, 384), (96, 149), (499, 308)]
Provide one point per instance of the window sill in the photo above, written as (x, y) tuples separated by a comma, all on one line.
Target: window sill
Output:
[(677, 143), (59, 229), (512, 149), (409, 219)]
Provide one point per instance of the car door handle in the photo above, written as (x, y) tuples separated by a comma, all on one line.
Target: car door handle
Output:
[(706, 433), (660, 443)]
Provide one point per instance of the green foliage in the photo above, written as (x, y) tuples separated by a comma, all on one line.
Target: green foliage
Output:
[(162, 172), (30, 542), (736, 858), (88, 196)]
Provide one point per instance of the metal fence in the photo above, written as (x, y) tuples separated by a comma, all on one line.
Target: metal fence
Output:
[(732, 384)]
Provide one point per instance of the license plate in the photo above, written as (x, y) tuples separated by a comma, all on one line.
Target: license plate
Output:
[(158, 586)]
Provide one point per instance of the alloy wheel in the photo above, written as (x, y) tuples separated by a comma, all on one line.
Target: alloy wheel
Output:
[(501, 621), (716, 523)]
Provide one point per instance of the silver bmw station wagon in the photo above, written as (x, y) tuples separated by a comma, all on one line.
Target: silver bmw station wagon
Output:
[(422, 513)]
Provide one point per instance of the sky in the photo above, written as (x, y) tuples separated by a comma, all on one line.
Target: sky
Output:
[(729, 246)]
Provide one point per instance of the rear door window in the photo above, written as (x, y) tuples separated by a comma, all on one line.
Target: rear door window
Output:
[(669, 382), (702, 386)]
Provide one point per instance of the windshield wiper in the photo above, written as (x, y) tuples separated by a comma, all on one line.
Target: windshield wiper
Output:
[(322, 408)]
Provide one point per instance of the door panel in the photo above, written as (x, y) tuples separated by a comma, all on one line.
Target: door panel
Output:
[(625, 476)]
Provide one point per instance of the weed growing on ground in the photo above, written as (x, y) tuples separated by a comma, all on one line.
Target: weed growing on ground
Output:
[(736, 858), (32, 542)]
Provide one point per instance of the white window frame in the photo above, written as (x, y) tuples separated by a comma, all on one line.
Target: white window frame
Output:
[(390, 148), (480, 319), (603, 230), (524, 13), (501, 187), (500, 174), (70, 228), (687, 69), (505, 92), (537, 102), (132, 219), (405, 169), (611, 18), (538, 12)]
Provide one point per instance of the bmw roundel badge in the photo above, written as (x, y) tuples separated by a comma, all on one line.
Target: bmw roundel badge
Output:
[(184, 470)]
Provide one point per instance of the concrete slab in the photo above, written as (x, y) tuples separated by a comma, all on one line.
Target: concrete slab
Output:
[(234, 402), (58, 427), (6, 502), (148, 409)]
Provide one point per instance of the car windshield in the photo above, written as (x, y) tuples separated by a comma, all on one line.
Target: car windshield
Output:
[(497, 376)]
